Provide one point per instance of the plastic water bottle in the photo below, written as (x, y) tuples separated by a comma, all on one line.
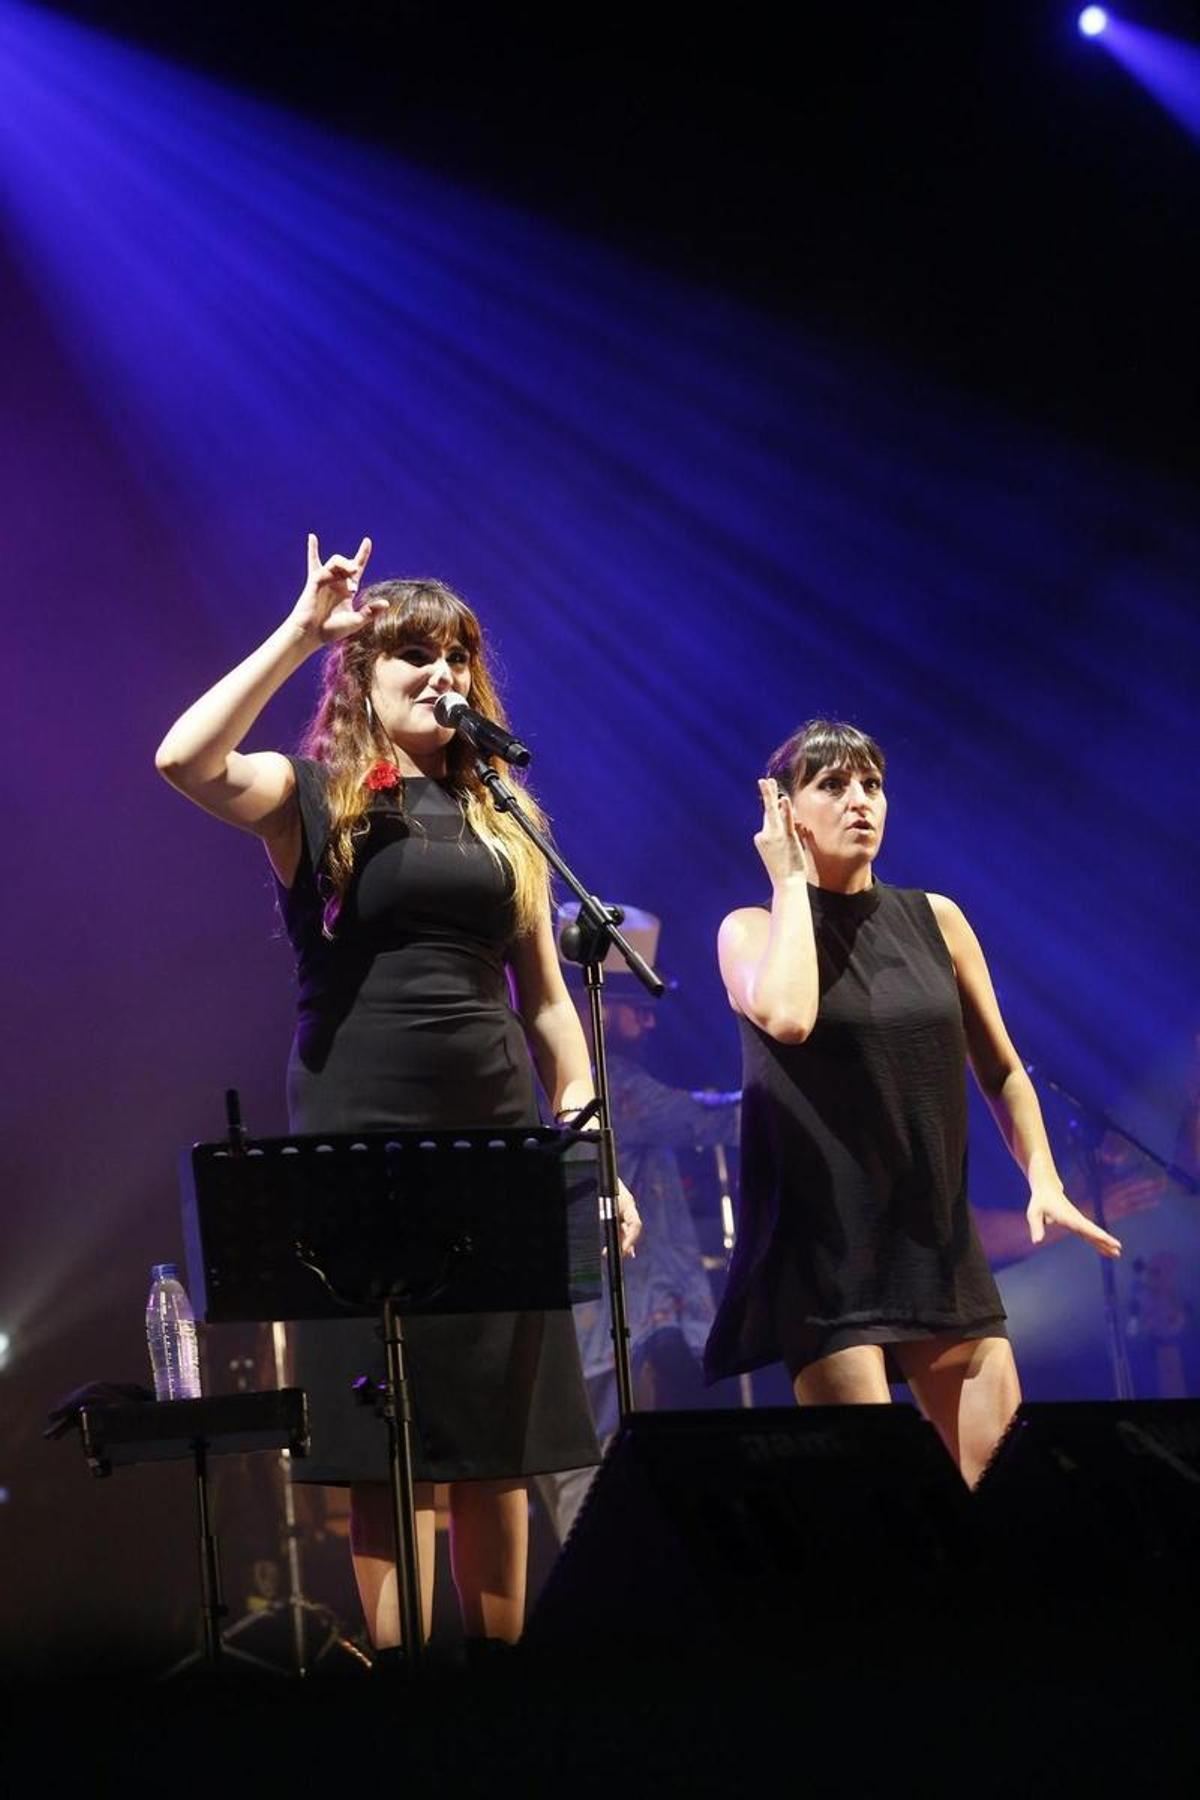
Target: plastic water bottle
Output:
[(171, 1336)]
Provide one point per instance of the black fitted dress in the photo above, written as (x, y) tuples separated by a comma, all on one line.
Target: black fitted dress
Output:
[(405, 1020), (853, 1224)]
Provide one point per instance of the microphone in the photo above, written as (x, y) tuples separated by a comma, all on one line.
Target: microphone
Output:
[(487, 737)]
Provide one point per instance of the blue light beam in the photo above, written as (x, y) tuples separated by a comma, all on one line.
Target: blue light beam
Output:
[(648, 488), (1168, 68)]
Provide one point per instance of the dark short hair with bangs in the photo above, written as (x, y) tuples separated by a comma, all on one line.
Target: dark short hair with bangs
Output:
[(823, 744)]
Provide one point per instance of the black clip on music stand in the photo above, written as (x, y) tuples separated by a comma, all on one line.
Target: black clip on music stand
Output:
[(587, 940), (384, 1224)]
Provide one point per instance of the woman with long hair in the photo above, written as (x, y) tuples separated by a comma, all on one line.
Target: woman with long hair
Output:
[(859, 1007), (409, 902)]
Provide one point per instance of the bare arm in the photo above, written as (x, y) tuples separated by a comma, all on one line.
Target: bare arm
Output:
[(769, 959), (1007, 1088), (556, 1041), (200, 755), (551, 1023)]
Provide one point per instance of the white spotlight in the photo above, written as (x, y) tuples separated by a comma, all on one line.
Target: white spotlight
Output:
[(1093, 20)]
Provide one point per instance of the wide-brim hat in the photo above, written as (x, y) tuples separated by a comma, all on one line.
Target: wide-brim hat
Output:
[(642, 929)]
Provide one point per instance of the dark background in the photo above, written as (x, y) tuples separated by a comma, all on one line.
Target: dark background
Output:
[(977, 189)]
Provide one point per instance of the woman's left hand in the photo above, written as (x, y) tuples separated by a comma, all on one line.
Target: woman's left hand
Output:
[(628, 1218), (1050, 1206)]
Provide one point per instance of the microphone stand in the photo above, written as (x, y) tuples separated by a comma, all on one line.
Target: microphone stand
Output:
[(587, 940), (1088, 1139)]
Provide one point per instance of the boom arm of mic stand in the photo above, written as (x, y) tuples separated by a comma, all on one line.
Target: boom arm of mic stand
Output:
[(597, 916), (591, 910)]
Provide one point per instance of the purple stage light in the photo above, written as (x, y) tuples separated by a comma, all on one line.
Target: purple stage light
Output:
[(1092, 21)]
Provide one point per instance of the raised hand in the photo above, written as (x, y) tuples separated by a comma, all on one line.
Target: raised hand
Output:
[(1050, 1206), (780, 842), (326, 610)]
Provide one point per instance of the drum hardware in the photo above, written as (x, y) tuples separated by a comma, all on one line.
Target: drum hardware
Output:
[(294, 1605), (1089, 1126)]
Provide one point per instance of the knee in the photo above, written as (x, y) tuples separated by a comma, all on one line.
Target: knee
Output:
[(370, 1520), (490, 1493), (372, 1527)]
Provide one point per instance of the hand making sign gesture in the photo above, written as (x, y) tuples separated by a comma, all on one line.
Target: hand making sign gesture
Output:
[(326, 608)]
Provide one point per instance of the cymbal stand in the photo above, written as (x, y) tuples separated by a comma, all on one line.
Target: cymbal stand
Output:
[(1087, 1143), (295, 1603), (1090, 1125)]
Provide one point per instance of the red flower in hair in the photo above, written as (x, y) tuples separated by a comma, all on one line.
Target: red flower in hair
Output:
[(381, 776)]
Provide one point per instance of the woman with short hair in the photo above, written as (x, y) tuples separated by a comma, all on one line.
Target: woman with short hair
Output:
[(859, 1006)]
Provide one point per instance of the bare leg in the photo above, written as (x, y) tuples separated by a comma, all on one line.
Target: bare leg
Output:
[(373, 1544), (489, 1551), (968, 1389), (853, 1377)]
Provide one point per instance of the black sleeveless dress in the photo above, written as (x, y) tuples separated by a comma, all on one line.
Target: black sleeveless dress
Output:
[(853, 1223), (405, 1019)]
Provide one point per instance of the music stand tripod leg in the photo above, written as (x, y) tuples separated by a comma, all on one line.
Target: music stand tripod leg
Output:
[(210, 1567), (398, 1413), (216, 1654), (217, 1651)]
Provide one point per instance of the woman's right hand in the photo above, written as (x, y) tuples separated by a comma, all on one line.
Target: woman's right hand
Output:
[(325, 610), (780, 841)]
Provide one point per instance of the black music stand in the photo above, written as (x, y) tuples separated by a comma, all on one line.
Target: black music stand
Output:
[(385, 1224), (176, 1430)]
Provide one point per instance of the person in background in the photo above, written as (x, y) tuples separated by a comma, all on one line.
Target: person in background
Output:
[(1158, 1315), (1128, 1185)]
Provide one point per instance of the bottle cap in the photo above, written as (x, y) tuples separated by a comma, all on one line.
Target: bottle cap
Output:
[(163, 1271)]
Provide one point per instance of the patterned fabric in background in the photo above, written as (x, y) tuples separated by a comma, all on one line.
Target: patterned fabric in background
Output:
[(666, 1285)]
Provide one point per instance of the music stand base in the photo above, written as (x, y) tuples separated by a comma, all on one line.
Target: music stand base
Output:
[(297, 1663)]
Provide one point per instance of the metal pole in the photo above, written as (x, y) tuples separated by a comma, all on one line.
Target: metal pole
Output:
[(290, 1536), (210, 1568), (398, 1412), (593, 975)]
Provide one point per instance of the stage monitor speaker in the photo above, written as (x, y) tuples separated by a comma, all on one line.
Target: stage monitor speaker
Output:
[(764, 1528), (1096, 1504)]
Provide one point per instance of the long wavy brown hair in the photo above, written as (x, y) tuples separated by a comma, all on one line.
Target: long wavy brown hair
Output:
[(345, 735)]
